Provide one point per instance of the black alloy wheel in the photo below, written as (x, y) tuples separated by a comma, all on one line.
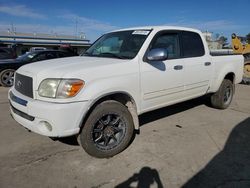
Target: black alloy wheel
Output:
[(108, 131)]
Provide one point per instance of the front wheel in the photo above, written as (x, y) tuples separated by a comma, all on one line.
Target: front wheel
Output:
[(7, 77), (224, 96), (108, 130)]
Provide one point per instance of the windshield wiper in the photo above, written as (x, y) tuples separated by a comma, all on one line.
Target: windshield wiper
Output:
[(107, 54)]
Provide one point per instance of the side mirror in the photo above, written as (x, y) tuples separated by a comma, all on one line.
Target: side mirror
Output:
[(157, 54)]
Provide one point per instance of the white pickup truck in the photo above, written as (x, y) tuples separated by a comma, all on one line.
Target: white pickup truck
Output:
[(125, 73)]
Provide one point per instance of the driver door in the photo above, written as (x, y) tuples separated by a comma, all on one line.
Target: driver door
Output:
[(162, 81)]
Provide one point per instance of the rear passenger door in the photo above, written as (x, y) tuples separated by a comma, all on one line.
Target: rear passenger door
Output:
[(197, 66)]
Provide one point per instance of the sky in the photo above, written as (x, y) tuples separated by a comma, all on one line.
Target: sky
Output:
[(96, 17)]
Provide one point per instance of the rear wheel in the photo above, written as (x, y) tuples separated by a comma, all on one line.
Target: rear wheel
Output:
[(246, 76), (7, 77), (108, 130), (223, 97)]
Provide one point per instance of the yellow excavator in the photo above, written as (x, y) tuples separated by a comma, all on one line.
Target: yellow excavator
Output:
[(240, 46)]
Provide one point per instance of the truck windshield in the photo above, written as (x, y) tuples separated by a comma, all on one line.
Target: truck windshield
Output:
[(121, 44)]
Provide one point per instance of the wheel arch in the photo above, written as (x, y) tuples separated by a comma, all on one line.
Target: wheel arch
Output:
[(226, 74), (230, 76), (123, 97)]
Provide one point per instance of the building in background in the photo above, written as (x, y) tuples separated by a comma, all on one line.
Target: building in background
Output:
[(212, 44), (23, 42)]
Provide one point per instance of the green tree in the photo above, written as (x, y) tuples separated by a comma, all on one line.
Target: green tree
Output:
[(223, 40), (217, 36)]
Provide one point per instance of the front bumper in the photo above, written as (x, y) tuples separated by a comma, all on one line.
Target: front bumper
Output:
[(46, 118)]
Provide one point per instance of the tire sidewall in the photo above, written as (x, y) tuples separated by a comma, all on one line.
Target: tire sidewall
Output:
[(227, 84), (218, 98)]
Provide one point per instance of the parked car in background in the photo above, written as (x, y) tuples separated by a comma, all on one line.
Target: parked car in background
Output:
[(37, 49), (7, 53), (8, 67)]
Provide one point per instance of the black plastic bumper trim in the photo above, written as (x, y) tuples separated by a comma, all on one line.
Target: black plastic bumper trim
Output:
[(22, 114)]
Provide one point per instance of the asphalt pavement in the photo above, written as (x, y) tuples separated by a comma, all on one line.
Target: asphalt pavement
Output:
[(184, 145)]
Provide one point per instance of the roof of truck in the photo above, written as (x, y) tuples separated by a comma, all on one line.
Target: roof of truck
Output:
[(160, 28)]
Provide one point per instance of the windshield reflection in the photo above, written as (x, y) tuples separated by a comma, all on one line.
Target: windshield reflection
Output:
[(121, 44)]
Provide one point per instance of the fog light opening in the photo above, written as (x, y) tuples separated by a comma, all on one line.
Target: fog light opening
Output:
[(47, 125)]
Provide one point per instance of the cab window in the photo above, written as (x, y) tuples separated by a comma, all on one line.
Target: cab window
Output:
[(170, 42), (192, 44)]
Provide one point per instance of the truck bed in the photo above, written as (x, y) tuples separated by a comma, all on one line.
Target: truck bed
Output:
[(221, 52)]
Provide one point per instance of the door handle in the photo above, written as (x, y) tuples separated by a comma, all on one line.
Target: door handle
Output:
[(207, 63), (178, 67)]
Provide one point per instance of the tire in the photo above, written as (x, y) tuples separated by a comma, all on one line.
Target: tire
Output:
[(7, 77), (223, 97), (246, 76), (108, 130)]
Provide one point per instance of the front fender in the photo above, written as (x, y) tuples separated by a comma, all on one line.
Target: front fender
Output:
[(98, 89)]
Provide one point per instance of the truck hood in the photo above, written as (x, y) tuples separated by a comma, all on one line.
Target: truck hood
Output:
[(81, 67)]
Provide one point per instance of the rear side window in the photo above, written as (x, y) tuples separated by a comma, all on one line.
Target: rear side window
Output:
[(192, 44)]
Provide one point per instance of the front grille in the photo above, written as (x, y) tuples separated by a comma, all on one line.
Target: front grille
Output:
[(22, 114), (24, 85)]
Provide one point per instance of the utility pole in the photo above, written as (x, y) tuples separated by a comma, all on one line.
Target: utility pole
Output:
[(12, 27), (76, 26)]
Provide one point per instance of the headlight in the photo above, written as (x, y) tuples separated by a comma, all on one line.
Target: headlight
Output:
[(60, 88), (48, 88)]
